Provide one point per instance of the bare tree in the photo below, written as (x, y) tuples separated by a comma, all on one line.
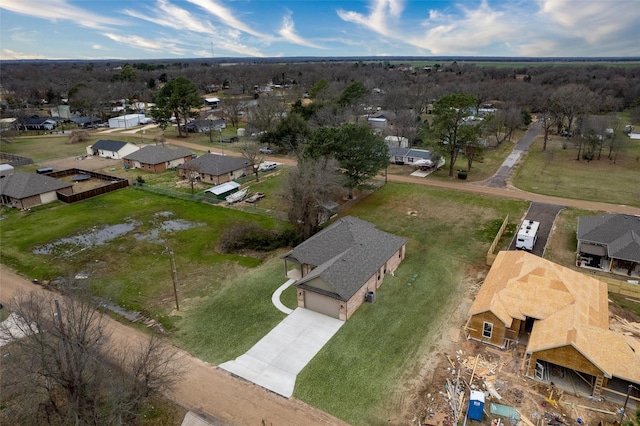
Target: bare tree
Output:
[(63, 356), (192, 172), (310, 187), (251, 152)]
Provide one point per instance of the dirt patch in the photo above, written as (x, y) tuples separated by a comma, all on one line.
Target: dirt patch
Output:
[(425, 396)]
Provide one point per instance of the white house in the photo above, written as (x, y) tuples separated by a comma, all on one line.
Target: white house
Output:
[(126, 121), (112, 149), (422, 158)]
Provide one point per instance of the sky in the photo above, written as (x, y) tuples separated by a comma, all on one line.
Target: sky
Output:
[(161, 29)]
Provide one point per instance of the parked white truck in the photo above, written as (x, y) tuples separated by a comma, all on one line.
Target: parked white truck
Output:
[(527, 235)]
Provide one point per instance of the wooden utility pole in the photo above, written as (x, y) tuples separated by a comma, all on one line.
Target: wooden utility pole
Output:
[(174, 276)]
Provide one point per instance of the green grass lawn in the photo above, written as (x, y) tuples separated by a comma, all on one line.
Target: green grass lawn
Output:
[(556, 172), (133, 269), (225, 300), (374, 350)]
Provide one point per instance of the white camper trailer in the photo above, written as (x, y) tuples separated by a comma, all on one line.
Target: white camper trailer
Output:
[(527, 235)]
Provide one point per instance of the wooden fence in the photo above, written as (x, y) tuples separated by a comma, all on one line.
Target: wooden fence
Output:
[(491, 253), (114, 184)]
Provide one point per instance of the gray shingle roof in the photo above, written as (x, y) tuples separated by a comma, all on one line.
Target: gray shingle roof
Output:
[(216, 165), (108, 145), (345, 255), (22, 185), (156, 154), (619, 232), (410, 152)]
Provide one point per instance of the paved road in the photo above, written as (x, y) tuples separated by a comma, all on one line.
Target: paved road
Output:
[(545, 214), (499, 180)]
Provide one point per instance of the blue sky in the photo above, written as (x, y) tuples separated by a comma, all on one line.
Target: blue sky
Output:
[(148, 29)]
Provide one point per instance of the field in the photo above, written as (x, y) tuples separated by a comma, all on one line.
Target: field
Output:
[(556, 172), (225, 299)]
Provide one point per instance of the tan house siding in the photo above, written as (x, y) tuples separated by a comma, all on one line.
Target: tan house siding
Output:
[(476, 325), (565, 356)]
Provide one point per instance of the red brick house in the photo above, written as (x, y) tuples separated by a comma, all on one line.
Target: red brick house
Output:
[(157, 158), (344, 264)]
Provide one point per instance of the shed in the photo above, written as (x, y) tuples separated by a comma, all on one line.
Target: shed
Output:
[(6, 170), (221, 191), (126, 121)]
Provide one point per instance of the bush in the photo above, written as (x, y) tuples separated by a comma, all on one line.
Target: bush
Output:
[(250, 236), (78, 136)]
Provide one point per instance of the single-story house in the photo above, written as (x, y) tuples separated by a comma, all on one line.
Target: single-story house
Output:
[(343, 265), (217, 169), (84, 120), (112, 149), (126, 121), (204, 126), (157, 158), (25, 190), (40, 123), (416, 157), (562, 317), (222, 191), (609, 242)]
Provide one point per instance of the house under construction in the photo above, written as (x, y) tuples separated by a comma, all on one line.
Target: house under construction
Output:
[(562, 318)]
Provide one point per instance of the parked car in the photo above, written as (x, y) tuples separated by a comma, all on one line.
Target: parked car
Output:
[(266, 150), (255, 197), (266, 166)]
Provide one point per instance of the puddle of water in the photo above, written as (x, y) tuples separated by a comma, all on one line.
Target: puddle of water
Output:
[(99, 236), (69, 246)]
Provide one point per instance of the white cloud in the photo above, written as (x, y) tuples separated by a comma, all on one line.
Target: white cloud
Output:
[(180, 19), (22, 36), (55, 10), (381, 12), (8, 54), (225, 16), (97, 46), (288, 32), (466, 33), (160, 45), (593, 21)]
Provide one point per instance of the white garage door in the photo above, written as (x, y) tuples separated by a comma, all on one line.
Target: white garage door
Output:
[(322, 304)]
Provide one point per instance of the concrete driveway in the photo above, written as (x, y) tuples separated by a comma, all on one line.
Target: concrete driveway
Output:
[(275, 361)]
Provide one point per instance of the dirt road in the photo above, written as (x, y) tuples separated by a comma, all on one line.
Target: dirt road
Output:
[(203, 387), (477, 187)]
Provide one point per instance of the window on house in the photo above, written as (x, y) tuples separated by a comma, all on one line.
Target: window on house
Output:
[(487, 330), (378, 274)]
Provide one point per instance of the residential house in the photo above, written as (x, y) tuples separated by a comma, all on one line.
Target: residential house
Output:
[(609, 242), (217, 169), (342, 265), (40, 123), (562, 318), (421, 158), (157, 158), (84, 121), (112, 149), (25, 190)]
